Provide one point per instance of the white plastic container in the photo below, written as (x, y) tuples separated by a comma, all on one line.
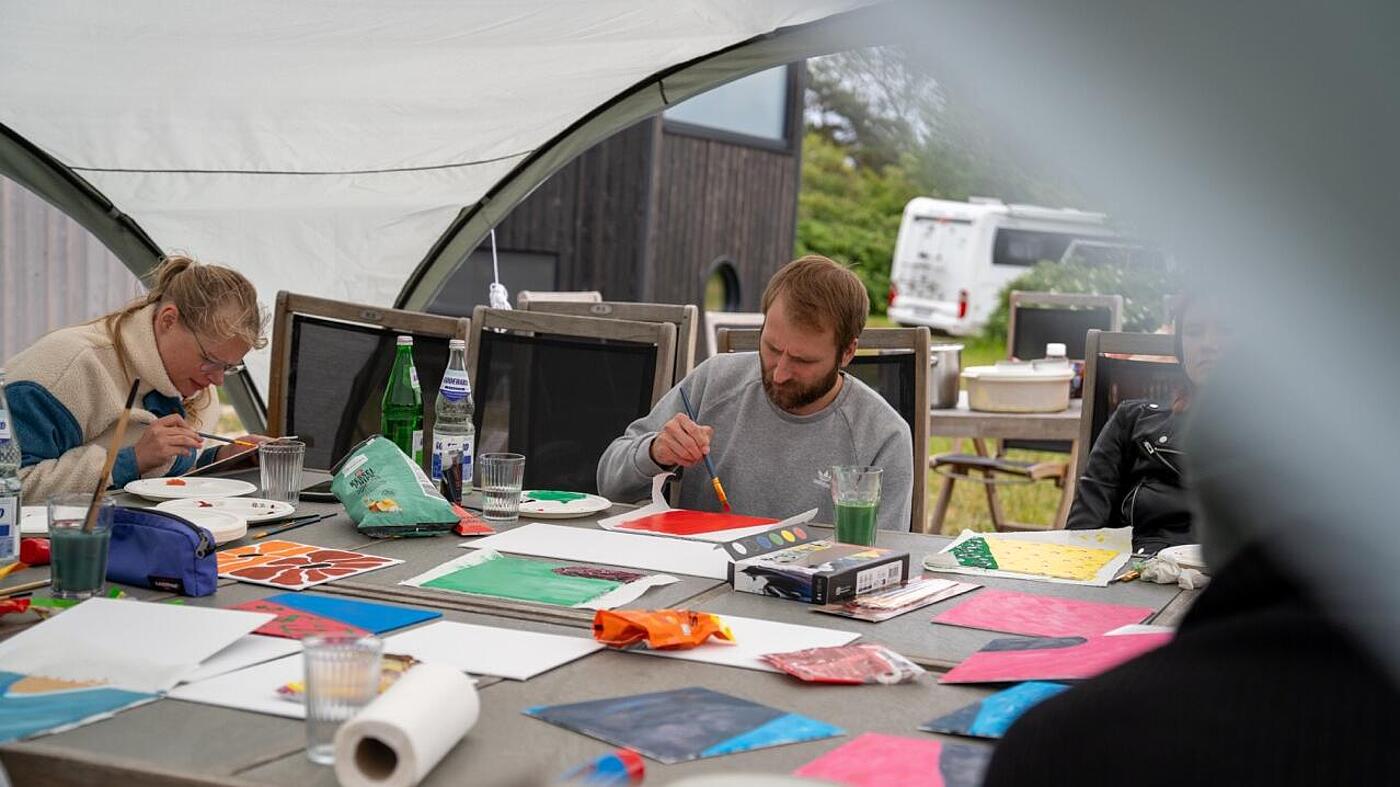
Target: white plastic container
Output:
[(1017, 387)]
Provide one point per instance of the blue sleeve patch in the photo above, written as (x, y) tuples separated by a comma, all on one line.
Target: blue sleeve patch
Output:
[(206, 456), (125, 470), (45, 427)]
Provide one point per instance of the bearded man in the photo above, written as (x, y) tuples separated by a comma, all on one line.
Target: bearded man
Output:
[(774, 422)]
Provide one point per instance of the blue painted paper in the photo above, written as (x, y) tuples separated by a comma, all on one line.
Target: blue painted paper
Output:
[(374, 618), (23, 714), (993, 716), (684, 724)]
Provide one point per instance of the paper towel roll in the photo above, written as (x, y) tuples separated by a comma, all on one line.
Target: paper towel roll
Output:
[(401, 736)]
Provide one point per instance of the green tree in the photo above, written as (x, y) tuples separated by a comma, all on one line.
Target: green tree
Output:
[(851, 213), (1144, 288)]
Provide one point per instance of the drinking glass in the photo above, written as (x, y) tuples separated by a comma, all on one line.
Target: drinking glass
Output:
[(855, 491), (342, 676), (281, 462), (501, 478), (78, 557)]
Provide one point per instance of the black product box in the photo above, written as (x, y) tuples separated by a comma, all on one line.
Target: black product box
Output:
[(787, 562)]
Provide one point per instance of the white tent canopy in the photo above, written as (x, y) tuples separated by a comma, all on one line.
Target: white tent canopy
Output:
[(325, 147)]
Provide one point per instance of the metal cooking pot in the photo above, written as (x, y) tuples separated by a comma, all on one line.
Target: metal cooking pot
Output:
[(945, 369)]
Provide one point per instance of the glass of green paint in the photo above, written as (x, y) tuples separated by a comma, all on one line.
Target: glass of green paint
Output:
[(855, 491), (78, 557)]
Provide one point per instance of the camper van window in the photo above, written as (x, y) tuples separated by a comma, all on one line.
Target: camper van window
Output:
[(1025, 248)]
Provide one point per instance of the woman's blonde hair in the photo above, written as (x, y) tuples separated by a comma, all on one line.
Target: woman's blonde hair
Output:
[(215, 302)]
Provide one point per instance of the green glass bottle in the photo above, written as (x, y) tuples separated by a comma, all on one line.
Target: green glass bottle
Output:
[(401, 414)]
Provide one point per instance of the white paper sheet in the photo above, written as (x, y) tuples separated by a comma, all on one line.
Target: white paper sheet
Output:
[(625, 594), (658, 505), (247, 651), (672, 555), (133, 645), (33, 520), (1141, 628), (1115, 538), (752, 639), (481, 650)]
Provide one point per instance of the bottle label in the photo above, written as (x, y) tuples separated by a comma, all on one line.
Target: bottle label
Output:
[(4, 425), (413, 378), (450, 450), (9, 526), (455, 385), (418, 446)]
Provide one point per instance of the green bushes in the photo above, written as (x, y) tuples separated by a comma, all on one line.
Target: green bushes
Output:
[(1144, 288)]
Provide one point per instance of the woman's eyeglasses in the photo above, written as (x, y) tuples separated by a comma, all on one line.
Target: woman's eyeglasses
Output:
[(210, 363)]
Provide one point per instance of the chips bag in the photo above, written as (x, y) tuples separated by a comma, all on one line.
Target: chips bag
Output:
[(849, 664), (657, 629), (387, 494)]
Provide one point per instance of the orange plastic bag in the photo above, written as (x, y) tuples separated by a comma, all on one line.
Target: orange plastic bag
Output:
[(657, 629)]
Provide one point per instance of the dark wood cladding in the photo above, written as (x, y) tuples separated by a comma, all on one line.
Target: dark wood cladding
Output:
[(715, 200), (643, 215), (592, 214)]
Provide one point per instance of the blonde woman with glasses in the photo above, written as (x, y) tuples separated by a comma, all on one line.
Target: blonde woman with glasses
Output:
[(66, 391)]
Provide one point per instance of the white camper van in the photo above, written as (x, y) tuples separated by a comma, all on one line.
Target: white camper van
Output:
[(952, 258)]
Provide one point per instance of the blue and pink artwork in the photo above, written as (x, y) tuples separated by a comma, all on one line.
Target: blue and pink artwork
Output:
[(875, 760), (993, 716), (684, 724)]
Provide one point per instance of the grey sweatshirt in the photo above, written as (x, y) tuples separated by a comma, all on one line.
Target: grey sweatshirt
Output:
[(772, 463)]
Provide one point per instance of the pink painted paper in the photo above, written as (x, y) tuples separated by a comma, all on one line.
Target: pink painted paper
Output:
[(1075, 658), (1035, 615), (879, 761)]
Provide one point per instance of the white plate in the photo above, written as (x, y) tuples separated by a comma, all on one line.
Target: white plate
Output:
[(560, 509), (208, 488), (252, 509), (223, 525)]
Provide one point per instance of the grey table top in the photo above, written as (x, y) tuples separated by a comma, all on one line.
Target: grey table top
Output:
[(173, 742), (508, 748)]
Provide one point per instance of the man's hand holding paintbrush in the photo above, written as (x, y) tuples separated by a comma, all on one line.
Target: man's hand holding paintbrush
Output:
[(682, 442)]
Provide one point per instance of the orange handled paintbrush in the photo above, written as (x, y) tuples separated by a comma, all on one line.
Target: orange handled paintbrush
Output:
[(709, 465)]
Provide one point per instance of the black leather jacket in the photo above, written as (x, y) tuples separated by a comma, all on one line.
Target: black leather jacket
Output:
[(1133, 478)]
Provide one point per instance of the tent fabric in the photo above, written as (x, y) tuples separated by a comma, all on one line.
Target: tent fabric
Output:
[(323, 147)]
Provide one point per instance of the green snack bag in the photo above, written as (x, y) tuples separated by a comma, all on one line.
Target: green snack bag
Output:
[(387, 494)]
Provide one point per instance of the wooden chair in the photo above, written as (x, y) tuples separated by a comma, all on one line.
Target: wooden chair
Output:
[(330, 360), (559, 388), (684, 317), (1119, 366), (1036, 319), (525, 298), (716, 321), (897, 369)]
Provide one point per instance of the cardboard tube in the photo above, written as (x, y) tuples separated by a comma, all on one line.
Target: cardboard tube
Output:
[(401, 736)]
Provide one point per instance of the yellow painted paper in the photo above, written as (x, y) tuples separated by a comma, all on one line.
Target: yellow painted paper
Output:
[(1049, 560)]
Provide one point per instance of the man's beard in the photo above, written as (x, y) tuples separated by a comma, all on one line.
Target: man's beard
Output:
[(793, 396)]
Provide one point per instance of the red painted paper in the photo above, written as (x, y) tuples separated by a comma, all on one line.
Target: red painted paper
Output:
[(1040, 616), (874, 760), (1062, 658), (680, 522), (295, 624), (293, 566)]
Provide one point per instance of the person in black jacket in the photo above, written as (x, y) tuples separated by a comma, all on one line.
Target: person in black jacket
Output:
[(1133, 476)]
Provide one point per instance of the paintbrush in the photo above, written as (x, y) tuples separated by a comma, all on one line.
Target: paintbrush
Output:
[(228, 440), (293, 524), (102, 480), (709, 465), (27, 587)]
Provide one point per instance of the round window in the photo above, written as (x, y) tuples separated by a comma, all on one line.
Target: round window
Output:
[(722, 287)]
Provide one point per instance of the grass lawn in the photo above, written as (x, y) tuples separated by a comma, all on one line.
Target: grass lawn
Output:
[(1026, 503)]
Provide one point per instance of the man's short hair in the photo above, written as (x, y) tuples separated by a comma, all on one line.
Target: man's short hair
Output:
[(821, 293)]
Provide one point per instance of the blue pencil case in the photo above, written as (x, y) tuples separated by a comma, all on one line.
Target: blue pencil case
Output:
[(156, 549)]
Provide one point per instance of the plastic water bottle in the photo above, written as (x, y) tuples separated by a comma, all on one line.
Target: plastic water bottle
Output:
[(401, 414), (454, 436), (9, 481)]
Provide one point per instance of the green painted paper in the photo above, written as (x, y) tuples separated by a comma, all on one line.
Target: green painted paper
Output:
[(524, 580), (555, 496), (975, 553)]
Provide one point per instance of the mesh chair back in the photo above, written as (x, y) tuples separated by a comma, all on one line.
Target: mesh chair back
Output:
[(559, 401), (892, 373), (335, 380), (1037, 326)]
